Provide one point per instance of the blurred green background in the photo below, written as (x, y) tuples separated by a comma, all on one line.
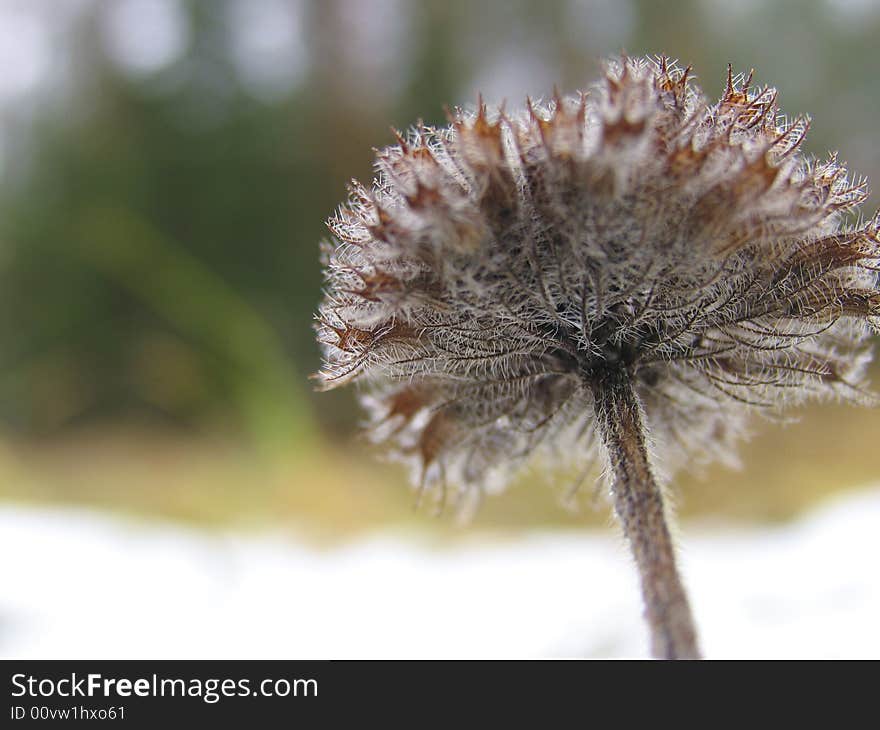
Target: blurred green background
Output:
[(167, 166)]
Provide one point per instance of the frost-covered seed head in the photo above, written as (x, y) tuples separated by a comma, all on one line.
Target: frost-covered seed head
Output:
[(499, 266)]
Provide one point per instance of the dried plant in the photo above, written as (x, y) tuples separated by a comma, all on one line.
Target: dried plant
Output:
[(619, 272)]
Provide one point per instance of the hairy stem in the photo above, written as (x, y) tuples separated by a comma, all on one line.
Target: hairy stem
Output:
[(638, 503)]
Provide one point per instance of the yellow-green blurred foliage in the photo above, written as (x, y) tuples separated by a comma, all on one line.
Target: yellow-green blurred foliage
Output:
[(164, 185)]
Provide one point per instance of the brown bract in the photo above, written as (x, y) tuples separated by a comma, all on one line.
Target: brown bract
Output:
[(499, 267)]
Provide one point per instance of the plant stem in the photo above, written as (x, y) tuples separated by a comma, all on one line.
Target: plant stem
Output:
[(638, 502)]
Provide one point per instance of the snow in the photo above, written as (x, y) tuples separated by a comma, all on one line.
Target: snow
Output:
[(84, 585)]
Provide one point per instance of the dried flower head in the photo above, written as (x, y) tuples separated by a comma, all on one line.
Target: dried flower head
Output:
[(592, 271), (498, 266)]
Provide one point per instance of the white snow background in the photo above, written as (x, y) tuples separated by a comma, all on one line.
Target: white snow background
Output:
[(75, 584)]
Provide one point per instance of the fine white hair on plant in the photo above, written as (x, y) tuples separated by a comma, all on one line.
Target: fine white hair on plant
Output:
[(573, 276)]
